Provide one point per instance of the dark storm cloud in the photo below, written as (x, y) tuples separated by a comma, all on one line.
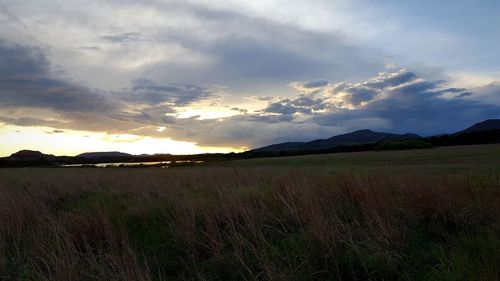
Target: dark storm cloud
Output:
[(361, 94), (19, 61), (412, 105), (26, 81), (397, 102), (393, 102)]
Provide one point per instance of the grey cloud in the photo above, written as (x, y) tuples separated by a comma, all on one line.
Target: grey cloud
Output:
[(315, 84), (122, 38), (247, 57), (397, 102), (145, 90), (489, 93), (30, 121), (361, 94), (418, 106), (310, 87), (302, 104), (248, 49), (6, 16), (385, 79), (152, 115), (261, 98), (413, 105), (279, 118), (26, 80), (54, 132), (90, 48), (466, 94), (18, 61), (284, 107), (241, 110)]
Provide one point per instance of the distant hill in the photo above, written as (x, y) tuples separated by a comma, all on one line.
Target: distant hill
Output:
[(29, 155), (110, 154), (281, 146), (484, 132), (487, 125), (354, 138)]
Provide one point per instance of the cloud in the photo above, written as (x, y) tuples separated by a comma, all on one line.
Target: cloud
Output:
[(489, 92), (145, 90), (31, 94), (397, 101), (122, 38), (54, 132), (394, 102), (26, 80), (302, 104), (6, 16), (309, 87), (408, 103), (240, 50), (315, 84)]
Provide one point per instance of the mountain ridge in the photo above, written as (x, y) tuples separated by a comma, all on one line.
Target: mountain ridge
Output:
[(486, 125), (364, 136), (487, 131), (104, 154)]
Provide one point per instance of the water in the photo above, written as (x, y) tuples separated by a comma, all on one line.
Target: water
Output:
[(134, 164)]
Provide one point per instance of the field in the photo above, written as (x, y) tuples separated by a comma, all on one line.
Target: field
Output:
[(428, 214)]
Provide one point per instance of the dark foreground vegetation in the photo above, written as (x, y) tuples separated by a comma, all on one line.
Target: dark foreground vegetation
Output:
[(399, 215)]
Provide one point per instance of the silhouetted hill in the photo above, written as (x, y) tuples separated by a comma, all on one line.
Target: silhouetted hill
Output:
[(487, 125), (484, 132), (282, 146), (26, 155), (354, 138), (110, 154), (25, 158)]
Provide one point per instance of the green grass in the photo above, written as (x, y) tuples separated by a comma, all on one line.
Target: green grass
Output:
[(400, 215), (466, 158)]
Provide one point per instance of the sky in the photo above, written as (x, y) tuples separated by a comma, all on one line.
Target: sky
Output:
[(195, 76)]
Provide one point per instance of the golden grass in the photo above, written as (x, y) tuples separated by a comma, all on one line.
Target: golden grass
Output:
[(209, 223)]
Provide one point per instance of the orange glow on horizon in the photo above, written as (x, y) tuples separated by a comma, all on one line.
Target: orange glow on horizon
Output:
[(68, 142)]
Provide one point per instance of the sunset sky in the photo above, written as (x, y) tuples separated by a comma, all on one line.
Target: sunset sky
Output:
[(195, 76)]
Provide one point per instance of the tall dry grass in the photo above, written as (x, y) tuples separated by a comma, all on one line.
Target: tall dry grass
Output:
[(247, 224)]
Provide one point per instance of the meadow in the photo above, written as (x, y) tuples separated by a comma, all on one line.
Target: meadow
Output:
[(429, 214)]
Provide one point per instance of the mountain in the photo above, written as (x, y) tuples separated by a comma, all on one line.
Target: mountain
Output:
[(354, 138), (110, 154), (281, 146), (485, 132), (487, 125), (29, 155), (27, 158)]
